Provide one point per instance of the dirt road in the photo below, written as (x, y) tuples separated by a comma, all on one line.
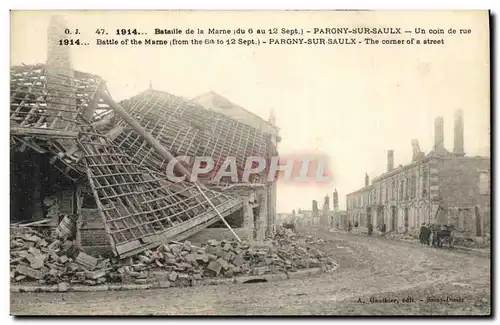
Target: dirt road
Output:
[(376, 277)]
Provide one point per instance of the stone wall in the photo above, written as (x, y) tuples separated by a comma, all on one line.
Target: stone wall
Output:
[(459, 180), (92, 236), (219, 234), (417, 191), (461, 193)]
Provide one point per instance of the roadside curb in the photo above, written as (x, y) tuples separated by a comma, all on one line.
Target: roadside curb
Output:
[(167, 284)]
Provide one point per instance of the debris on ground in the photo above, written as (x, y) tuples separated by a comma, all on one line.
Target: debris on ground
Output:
[(51, 260)]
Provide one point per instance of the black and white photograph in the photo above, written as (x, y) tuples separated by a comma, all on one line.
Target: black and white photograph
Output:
[(250, 163)]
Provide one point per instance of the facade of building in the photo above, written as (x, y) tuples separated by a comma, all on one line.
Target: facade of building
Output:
[(340, 219), (262, 223), (305, 217), (441, 187)]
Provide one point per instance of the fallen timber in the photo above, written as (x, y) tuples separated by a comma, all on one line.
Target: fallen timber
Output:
[(139, 208), (162, 151)]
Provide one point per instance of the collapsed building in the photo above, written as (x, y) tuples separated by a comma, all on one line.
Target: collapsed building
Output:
[(76, 152)]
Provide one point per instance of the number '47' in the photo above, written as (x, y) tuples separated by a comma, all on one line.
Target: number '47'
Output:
[(100, 31)]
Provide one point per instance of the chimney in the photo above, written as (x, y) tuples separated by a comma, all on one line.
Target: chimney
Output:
[(314, 209), (367, 180), (416, 150), (390, 160), (438, 134), (272, 117), (458, 148), (59, 69), (58, 57), (327, 202)]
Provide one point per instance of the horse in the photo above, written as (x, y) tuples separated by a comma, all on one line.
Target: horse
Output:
[(443, 235)]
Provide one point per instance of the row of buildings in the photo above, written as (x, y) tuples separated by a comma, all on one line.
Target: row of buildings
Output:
[(323, 217), (440, 187)]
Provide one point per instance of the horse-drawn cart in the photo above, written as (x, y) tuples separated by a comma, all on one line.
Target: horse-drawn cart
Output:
[(440, 235)]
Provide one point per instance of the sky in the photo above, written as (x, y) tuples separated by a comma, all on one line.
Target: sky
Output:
[(351, 102)]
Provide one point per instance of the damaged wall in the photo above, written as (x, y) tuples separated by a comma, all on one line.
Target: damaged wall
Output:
[(53, 108), (33, 180)]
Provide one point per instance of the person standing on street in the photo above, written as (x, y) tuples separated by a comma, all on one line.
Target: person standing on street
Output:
[(422, 234), (427, 235)]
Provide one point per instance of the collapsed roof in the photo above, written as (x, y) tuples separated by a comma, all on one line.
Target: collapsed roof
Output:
[(68, 114)]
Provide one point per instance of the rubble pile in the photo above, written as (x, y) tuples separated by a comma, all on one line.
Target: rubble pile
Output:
[(285, 236), (56, 261), (34, 256)]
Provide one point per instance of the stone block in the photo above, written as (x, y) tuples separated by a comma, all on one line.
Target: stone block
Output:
[(202, 258), (215, 267), (172, 276), (164, 284), (145, 260), (213, 242), (37, 262), (63, 286), (238, 260), (32, 273), (176, 249), (190, 258), (260, 270), (93, 275), (86, 261), (187, 246), (225, 265)]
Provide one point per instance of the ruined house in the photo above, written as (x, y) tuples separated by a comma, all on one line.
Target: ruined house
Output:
[(442, 187), (76, 152)]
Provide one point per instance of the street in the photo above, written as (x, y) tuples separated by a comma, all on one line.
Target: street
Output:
[(376, 277)]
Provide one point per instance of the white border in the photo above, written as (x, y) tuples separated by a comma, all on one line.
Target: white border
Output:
[(200, 4)]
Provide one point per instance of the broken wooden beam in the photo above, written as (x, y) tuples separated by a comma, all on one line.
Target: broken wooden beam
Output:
[(88, 112), (43, 132), (160, 150), (143, 133)]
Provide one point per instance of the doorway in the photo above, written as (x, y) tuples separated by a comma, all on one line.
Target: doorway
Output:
[(368, 217), (394, 219), (32, 179), (380, 217), (478, 221), (406, 212)]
